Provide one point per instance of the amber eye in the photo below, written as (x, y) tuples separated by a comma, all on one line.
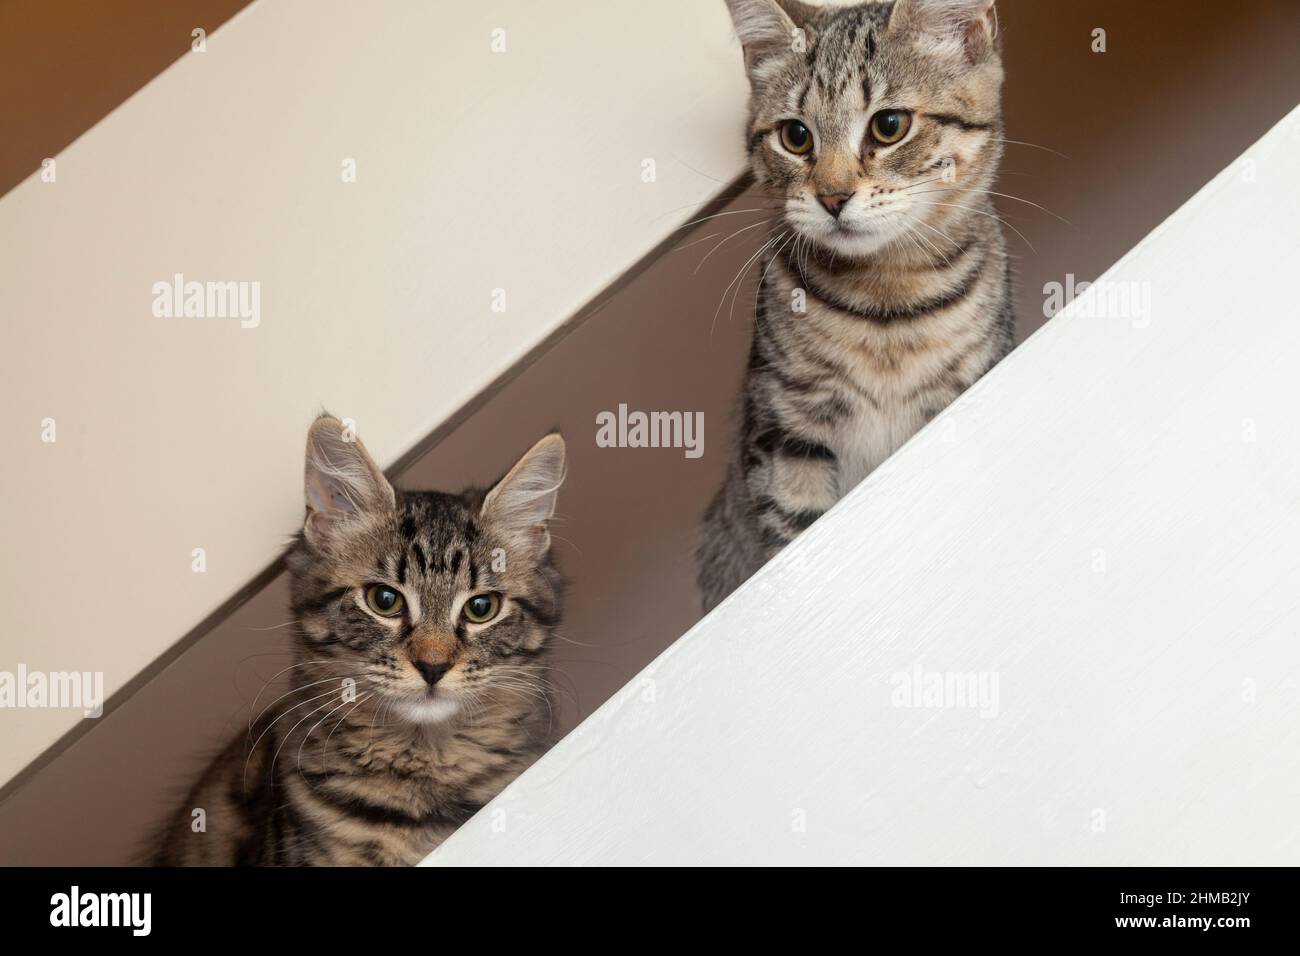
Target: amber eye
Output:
[(385, 601), (796, 137), (481, 608), (889, 126)]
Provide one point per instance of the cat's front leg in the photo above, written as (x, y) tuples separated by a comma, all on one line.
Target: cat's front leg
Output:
[(792, 480), (780, 481)]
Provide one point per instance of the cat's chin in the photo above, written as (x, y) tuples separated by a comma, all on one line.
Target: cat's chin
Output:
[(425, 708), (855, 243)]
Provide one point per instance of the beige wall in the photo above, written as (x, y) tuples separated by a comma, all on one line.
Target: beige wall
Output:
[(373, 198)]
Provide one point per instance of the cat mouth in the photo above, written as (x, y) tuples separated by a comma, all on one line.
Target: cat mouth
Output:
[(431, 706), (878, 225)]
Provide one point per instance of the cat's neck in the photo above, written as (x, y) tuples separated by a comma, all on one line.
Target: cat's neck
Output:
[(378, 729), (906, 271)]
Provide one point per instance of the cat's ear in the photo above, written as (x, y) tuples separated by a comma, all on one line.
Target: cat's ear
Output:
[(949, 28), (768, 28), (342, 481), (520, 504)]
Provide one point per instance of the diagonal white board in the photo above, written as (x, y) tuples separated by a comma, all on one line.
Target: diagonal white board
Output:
[(1062, 626)]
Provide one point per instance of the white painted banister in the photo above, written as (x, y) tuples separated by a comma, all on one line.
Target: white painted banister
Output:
[(1059, 627)]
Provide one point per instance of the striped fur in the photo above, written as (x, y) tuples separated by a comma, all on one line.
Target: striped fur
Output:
[(871, 322), (364, 762)]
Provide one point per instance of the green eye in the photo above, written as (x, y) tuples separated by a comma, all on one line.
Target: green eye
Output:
[(889, 126), (481, 608), (796, 137), (385, 601)]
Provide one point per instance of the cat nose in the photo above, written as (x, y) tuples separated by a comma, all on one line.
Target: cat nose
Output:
[(834, 202), (432, 673)]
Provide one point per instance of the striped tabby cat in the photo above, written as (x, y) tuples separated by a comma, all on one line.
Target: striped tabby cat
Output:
[(417, 693), (876, 131)]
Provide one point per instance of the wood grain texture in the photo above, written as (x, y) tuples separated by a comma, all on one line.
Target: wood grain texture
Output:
[(1140, 608), (476, 170)]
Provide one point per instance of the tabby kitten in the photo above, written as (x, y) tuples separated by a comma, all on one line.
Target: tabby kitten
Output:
[(421, 620), (876, 131)]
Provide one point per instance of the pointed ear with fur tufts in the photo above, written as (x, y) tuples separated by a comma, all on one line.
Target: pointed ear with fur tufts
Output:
[(768, 28), (520, 505), (342, 482), (949, 28)]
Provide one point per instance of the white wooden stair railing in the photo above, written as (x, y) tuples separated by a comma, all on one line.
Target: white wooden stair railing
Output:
[(1101, 541)]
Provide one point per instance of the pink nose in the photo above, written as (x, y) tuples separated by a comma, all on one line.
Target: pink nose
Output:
[(834, 202)]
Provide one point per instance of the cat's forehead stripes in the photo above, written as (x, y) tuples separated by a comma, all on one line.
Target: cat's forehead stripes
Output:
[(436, 537), (839, 60)]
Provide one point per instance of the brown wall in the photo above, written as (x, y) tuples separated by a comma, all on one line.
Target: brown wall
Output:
[(1179, 94), (1184, 87), (65, 64)]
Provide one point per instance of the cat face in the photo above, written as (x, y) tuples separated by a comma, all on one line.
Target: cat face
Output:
[(430, 602), (867, 123)]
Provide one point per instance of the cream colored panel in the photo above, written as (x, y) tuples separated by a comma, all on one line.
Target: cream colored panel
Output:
[(530, 167)]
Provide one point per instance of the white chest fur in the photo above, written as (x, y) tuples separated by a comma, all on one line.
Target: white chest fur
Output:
[(871, 436)]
